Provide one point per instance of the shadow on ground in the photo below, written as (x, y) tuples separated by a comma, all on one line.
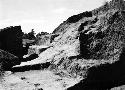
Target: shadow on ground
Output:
[(31, 67), (104, 77)]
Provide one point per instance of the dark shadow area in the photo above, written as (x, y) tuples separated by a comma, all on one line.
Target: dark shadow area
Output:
[(25, 49), (26, 68), (42, 49), (45, 65), (89, 22), (75, 57), (53, 37), (104, 77), (31, 57), (76, 18), (113, 18), (31, 67), (40, 89), (11, 40), (92, 45), (7, 64), (85, 40), (81, 27)]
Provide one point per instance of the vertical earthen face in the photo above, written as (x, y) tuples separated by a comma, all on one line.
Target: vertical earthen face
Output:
[(0, 44), (11, 40)]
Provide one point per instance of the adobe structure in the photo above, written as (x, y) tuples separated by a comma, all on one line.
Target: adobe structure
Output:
[(11, 40)]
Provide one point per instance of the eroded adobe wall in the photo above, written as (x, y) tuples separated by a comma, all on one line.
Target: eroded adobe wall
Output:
[(11, 40)]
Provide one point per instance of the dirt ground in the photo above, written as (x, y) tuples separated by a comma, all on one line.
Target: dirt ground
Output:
[(35, 80)]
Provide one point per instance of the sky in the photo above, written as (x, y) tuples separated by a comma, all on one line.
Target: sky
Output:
[(42, 15)]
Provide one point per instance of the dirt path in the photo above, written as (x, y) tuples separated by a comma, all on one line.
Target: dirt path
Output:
[(35, 80)]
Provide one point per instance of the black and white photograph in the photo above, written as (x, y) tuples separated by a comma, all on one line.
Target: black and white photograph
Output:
[(62, 44)]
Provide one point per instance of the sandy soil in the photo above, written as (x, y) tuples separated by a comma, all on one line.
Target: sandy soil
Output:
[(35, 80)]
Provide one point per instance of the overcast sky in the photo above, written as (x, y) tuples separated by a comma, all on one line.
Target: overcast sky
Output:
[(42, 15)]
